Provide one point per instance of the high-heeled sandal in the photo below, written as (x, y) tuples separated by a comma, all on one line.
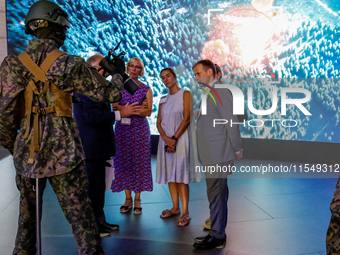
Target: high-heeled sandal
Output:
[(126, 208), (137, 210)]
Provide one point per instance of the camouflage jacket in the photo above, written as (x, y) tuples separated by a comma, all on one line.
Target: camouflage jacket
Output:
[(60, 149)]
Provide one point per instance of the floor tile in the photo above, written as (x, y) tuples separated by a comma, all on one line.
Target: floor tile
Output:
[(267, 216), (278, 236), (291, 205), (262, 186)]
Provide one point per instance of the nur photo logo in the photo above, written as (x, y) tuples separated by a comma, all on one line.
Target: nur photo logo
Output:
[(239, 102)]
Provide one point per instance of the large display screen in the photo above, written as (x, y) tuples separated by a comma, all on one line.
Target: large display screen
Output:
[(266, 48)]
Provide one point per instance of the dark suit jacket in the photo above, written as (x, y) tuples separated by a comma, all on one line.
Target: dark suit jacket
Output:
[(95, 122)]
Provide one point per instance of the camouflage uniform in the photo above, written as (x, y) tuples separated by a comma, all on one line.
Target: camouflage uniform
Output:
[(333, 233), (61, 156)]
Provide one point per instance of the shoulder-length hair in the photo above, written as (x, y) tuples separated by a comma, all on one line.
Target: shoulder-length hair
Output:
[(139, 62)]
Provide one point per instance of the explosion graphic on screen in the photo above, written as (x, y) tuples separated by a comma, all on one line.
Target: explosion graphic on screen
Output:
[(245, 42)]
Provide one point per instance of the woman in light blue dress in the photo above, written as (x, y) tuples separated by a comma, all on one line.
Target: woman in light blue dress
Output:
[(177, 152)]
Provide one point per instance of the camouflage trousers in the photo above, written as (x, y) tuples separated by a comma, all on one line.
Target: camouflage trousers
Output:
[(333, 232), (71, 190)]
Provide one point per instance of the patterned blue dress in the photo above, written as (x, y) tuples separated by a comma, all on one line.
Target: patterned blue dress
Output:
[(132, 161)]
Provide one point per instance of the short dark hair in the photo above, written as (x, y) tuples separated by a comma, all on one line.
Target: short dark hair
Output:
[(170, 70), (207, 64)]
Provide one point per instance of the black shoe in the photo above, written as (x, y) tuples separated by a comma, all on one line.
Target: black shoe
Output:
[(104, 232), (210, 242), (108, 226), (201, 238), (99, 251)]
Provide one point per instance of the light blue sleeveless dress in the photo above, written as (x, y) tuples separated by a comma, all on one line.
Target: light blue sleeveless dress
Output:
[(179, 166)]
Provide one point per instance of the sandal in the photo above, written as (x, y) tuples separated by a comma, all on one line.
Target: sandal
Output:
[(126, 208), (167, 213), (137, 210), (184, 220)]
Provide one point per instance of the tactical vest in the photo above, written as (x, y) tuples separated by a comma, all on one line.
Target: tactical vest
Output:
[(63, 100)]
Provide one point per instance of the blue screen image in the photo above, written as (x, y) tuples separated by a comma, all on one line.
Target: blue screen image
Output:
[(259, 44)]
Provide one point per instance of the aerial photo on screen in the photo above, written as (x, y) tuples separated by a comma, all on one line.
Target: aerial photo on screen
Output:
[(262, 46)]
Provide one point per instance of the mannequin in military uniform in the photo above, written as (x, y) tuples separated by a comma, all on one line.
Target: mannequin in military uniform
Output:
[(333, 232), (37, 127)]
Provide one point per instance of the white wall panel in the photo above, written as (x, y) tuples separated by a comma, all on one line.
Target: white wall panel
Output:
[(3, 33), (3, 48), (2, 5), (2, 24)]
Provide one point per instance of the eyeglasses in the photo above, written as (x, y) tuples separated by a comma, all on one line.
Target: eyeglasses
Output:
[(137, 67)]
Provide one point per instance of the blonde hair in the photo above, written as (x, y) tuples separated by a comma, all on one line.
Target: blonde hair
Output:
[(141, 74)]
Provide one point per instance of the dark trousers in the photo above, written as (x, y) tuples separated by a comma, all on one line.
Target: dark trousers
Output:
[(95, 169), (218, 194), (71, 190)]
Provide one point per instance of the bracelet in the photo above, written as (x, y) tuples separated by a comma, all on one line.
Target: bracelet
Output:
[(174, 137)]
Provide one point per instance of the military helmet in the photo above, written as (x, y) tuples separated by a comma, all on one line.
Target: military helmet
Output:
[(45, 11)]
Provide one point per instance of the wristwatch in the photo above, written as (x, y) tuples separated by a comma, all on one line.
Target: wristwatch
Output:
[(174, 137)]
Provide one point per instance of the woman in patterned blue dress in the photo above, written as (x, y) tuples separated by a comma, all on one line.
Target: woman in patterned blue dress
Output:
[(132, 161)]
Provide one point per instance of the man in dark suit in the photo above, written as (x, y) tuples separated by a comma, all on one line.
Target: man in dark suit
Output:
[(95, 122), (217, 146)]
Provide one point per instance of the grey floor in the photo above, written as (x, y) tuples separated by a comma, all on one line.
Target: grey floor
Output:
[(267, 216)]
